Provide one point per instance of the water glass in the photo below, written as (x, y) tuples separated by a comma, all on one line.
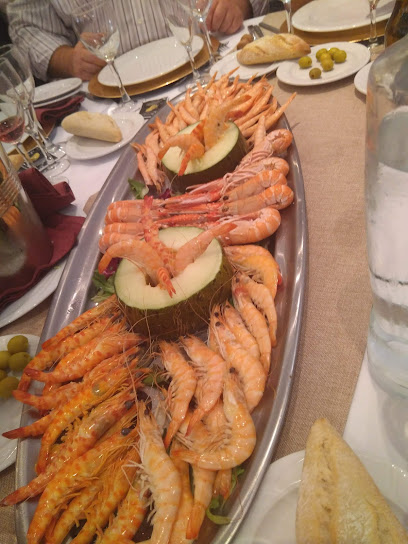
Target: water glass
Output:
[(373, 41), (287, 4), (182, 24), (200, 9)]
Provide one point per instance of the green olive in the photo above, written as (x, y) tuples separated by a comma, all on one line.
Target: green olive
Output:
[(332, 50), (18, 361), (339, 56), (7, 386), (305, 62), (321, 52), (3, 374), (324, 57), (17, 343), (4, 359), (327, 65), (315, 73)]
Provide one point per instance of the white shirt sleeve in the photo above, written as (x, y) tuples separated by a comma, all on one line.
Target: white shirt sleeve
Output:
[(39, 27)]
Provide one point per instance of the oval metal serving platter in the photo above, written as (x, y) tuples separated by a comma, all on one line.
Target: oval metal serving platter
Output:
[(289, 247)]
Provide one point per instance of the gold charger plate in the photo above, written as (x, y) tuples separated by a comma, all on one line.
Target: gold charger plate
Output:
[(350, 35), (103, 91)]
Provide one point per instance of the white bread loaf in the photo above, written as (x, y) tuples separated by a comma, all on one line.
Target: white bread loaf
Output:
[(272, 49), (338, 501), (98, 126)]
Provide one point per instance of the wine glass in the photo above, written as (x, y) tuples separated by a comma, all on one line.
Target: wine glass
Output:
[(199, 9), (287, 4), (20, 63), (30, 128), (95, 25), (181, 22), (12, 118), (373, 41)]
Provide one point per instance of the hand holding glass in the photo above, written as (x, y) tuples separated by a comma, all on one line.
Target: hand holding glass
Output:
[(95, 25)]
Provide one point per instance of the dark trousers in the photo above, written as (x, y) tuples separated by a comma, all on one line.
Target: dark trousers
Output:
[(4, 35)]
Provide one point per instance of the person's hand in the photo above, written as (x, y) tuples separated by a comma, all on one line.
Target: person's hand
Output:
[(227, 15), (84, 63)]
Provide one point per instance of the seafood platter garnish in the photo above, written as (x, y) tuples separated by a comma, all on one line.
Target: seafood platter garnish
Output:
[(146, 415)]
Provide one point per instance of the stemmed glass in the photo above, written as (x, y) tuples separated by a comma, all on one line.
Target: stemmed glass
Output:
[(20, 64), (373, 42), (287, 4), (181, 22), (95, 25), (30, 128), (12, 118), (199, 9)]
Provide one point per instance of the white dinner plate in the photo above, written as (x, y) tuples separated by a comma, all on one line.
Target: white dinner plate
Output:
[(272, 515), (10, 409), (57, 99), (37, 294), (83, 149), (149, 61), (357, 56), (56, 89), (336, 15), (229, 62), (361, 79)]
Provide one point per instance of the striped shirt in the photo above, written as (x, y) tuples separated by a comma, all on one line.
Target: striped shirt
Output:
[(39, 27)]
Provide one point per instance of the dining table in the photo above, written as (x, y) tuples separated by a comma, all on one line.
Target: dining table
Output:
[(331, 378)]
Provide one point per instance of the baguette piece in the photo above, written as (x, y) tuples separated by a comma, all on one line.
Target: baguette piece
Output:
[(98, 126), (273, 48), (338, 501)]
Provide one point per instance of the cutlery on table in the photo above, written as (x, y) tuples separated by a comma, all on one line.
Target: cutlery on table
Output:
[(255, 31), (271, 28)]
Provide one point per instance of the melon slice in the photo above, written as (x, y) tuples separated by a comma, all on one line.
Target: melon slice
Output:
[(217, 161), (203, 283)]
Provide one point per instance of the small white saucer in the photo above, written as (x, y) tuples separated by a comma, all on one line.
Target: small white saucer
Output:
[(83, 149)]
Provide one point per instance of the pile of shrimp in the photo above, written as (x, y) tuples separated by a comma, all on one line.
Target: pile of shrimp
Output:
[(210, 106), (242, 207), (250, 198), (110, 466)]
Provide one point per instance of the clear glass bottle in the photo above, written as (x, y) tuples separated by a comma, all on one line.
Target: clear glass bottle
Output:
[(386, 193), (24, 243), (397, 24)]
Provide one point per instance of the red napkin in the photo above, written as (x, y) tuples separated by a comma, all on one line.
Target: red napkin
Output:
[(62, 229), (45, 197), (54, 113)]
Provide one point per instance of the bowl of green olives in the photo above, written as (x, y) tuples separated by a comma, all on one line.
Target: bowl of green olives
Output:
[(16, 350)]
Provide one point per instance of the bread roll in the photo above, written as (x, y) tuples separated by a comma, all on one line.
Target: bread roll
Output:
[(338, 501), (98, 126), (273, 48), (16, 160)]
